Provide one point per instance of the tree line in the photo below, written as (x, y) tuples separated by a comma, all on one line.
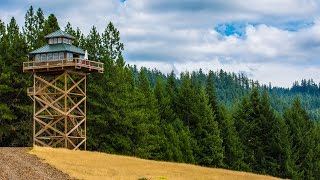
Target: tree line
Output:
[(215, 119)]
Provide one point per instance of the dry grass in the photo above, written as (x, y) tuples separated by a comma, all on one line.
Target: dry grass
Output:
[(95, 165)]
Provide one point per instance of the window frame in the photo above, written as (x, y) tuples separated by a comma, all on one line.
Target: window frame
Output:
[(61, 53), (70, 56), (43, 57), (49, 56), (38, 57), (56, 56)]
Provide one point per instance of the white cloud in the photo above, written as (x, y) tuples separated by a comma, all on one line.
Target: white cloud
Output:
[(6, 16), (169, 34)]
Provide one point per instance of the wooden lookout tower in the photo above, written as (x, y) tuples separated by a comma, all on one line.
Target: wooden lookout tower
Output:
[(59, 92)]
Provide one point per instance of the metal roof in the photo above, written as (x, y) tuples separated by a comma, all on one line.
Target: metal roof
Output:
[(59, 33), (61, 47)]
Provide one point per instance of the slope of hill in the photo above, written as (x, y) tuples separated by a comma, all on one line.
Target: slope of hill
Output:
[(95, 165), (16, 163)]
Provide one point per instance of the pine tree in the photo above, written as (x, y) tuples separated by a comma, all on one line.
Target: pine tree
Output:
[(110, 101), (51, 25), (171, 124), (231, 142), (247, 118), (233, 148), (109, 126), (276, 149), (94, 46), (111, 41), (302, 141), (207, 134), (14, 108), (194, 110), (40, 33), (150, 140), (79, 37), (29, 29)]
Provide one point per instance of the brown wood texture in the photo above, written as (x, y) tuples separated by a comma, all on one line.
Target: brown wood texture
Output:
[(85, 66), (59, 105)]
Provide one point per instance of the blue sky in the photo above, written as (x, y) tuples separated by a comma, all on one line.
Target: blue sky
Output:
[(269, 40)]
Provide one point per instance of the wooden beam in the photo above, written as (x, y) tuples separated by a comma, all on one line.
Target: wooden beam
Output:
[(60, 112)]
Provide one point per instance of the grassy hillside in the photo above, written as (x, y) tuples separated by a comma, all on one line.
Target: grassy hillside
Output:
[(95, 165)]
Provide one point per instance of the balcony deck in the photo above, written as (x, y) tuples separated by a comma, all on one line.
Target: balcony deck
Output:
[(86, 66)]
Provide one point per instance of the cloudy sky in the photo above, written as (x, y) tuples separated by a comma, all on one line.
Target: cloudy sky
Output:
[(275, 41)]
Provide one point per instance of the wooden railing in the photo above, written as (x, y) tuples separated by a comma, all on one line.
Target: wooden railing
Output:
[(76, 62)]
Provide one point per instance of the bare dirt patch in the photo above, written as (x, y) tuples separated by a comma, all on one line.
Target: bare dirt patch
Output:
[(16, 163)]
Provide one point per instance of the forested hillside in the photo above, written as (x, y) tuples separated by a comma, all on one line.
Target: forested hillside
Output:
[(217, 119), (231, 87)]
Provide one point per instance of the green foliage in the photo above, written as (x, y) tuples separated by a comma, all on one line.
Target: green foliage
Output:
[(217, 119), (15, 113), (233, 148)]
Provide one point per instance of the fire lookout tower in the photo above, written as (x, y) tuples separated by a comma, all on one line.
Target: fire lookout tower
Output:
[(59, 92)]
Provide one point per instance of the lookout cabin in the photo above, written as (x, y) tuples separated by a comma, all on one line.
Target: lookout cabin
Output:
[(59, 54)]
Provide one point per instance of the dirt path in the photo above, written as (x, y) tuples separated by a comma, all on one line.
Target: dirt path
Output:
[(16, 164)]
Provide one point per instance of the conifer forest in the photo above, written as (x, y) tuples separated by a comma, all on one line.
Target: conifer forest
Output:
[(214, 119)]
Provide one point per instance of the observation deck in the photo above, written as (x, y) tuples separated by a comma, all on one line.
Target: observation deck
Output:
[(76, 64)]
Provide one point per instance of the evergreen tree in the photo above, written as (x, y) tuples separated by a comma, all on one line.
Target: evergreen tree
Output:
[(233, 148), (195, 111), (109, 100), (149, 138), (51, 25), (29, 30), (111, 41), (40, 33), (302, 141), (178, 120), (247, 119), (110, 127), (14, 108), (231, 142), (170, 123), (94, 45), (276, 151), (79, 37), (207, 134)]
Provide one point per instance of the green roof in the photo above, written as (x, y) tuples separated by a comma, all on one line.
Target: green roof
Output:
[(59, 33), (61, 47)]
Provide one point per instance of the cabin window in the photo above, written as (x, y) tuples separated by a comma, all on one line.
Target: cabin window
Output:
[(55, 56), (61, 55), (69, 41), (49, 56), (37, 57), (43, 57), (51, 41), (59, 40), (70, 56), (55, 40), (65, 40), (81, 56)]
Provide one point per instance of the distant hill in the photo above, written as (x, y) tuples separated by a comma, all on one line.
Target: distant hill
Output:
[(231, 87)]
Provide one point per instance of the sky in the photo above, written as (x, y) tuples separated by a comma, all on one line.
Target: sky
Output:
[(275, 41)]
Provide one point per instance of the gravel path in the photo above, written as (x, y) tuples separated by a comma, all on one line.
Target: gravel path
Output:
[(16, 164)]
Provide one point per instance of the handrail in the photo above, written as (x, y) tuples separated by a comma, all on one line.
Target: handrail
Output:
[(64, 62)]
